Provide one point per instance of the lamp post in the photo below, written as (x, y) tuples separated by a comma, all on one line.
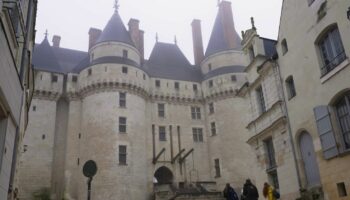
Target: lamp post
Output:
[(89, 170)]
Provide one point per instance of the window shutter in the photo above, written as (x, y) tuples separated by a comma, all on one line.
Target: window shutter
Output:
[(325, 130)]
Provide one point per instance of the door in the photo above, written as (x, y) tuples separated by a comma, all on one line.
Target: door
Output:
[(309, 160)]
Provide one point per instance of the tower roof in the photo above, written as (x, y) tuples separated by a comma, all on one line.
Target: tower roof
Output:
[(223, 36), (167, 61), (44, 58), (115, 31)]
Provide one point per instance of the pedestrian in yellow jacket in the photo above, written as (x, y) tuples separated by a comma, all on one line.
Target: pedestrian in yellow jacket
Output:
[(268, 192)]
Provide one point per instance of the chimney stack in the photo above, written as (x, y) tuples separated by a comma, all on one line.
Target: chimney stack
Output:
[(56, 41), (197, 41), (230, 34), (137, 36), (94, 34)]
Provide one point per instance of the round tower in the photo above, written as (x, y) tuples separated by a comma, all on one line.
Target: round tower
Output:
[(113, 122)]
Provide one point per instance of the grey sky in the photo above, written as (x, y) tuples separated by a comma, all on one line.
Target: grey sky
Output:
[(71, 19)]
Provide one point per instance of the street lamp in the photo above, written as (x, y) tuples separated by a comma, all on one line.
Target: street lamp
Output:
[(348, 13)]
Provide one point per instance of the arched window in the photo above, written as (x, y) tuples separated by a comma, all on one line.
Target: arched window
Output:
[(331, 49), (290, 87), (342, 108)]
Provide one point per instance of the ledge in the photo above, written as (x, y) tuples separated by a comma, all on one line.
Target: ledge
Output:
[(334, 71)]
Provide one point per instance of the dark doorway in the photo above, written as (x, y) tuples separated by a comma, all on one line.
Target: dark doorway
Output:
[(164, 175)]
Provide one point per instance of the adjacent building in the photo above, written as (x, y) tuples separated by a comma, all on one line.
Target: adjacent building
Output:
[(17, 20)]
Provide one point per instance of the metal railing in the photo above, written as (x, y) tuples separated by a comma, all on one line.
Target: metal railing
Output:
[(331, 64)]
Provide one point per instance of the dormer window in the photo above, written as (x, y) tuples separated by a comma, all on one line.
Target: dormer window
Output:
[(157, 83), (177, 85), (74, 79), (210, 83), (251, 53), (233, 78), (125, 53)]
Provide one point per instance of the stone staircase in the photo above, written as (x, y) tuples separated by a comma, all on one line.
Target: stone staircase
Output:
[(193, 191)]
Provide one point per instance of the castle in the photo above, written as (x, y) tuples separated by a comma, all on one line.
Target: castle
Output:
[(162, 127)]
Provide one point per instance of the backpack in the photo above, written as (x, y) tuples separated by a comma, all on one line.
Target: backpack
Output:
[(276, 194)]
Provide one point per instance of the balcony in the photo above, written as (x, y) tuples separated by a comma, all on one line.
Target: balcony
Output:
[(330, 65)]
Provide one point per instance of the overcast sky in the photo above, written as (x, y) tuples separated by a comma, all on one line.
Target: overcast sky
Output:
[(71, 19)]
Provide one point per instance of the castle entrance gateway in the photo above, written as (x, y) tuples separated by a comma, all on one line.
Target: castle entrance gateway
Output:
[(164, 175)]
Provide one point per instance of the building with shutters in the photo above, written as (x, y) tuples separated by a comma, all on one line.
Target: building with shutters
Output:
[(161, 127), (17, 19)]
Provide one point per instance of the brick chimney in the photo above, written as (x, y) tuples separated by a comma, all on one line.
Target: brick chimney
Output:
[(197, 41), (230, 34), (94, 34), (137, 35), (56, 41)]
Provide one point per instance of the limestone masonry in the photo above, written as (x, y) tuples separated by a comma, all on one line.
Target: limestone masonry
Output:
[(163, 128)]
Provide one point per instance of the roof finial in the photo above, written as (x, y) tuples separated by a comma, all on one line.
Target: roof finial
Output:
[(46, 34), (156, 37), (175, 40), (253, 24), (116, 5)]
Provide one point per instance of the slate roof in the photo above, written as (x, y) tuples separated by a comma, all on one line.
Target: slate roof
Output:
[(115, 31), (224, 70), (44, 58), (270, 47), (167, 61), (217, 41), (68, 58)]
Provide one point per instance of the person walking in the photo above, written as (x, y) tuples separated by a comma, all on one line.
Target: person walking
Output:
[(229, 193), (268, 192), (250, 192)]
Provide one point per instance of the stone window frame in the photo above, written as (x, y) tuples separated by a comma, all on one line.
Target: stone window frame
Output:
[(284, 46), (197, 134), (213, 128), (270, 153), (54, 78), (162, 133), (122, 152), (290, 86), (342, 115), (196, 112), (161, 110), (261, 103), (125, 53), (177, 85), (211, 108), (122, 99), (210, 83), (157, 83), (330, 49), (125, 70), (217, 167), (122, 125)]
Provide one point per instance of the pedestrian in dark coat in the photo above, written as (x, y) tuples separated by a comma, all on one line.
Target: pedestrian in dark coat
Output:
[(250, 192), (229, 193)]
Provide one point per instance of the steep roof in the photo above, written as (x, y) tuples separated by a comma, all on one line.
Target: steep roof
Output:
[(167, 61), (44, 58), (115, 31), (68, 58), (218, 40)]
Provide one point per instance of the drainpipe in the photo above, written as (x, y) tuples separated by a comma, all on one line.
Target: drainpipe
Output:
[(26, 39), (288, 122)]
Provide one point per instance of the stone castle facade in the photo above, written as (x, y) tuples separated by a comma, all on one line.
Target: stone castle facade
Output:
[(163, 128)]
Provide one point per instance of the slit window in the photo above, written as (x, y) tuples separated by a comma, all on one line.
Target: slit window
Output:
[(122, 124), (162, 133)]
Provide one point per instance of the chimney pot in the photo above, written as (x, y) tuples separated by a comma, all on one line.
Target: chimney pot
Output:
[(94, 34), (197, 41), (56, 41)]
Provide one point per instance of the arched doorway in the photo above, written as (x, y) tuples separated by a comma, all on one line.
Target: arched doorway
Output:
[(309, 160), (164, 175)]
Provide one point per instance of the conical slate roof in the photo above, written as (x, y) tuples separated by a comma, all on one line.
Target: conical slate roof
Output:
[(115, 31), (168, 61), (218, 40), (44, 58)]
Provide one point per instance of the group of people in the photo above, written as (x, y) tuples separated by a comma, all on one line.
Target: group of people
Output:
[(250, 192)]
